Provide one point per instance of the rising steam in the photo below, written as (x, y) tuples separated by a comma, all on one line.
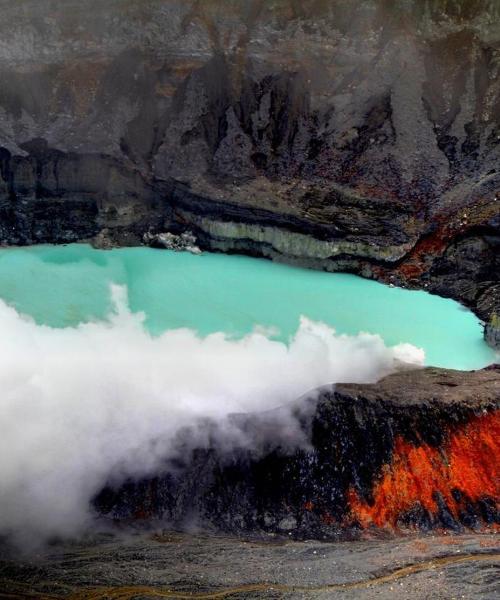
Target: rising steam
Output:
[(77, 404)]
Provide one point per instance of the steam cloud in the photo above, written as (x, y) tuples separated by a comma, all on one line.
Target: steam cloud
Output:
[(78, 404)]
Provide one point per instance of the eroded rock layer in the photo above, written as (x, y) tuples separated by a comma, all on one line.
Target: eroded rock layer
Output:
[(418, 450), (358, 136)]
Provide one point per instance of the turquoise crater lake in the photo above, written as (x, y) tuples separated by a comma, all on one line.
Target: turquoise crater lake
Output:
[(62, 286)]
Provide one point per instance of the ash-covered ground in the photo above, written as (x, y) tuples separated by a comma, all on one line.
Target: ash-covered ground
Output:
[(178, 565)]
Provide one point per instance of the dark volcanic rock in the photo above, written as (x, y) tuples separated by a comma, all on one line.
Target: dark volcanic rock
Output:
[(417, 450), (358, 136)]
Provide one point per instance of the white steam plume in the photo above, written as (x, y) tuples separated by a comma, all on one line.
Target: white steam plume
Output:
[(77, 402)]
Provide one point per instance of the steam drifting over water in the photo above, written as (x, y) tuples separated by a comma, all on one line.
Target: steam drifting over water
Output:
[(78, 404)]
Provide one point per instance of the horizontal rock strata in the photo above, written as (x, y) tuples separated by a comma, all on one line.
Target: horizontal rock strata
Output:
[(356, 136)]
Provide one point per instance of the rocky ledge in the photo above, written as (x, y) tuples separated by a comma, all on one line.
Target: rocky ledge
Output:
[(417, 451), (356, 136)]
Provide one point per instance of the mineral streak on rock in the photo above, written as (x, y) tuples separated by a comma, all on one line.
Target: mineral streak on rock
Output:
[(419, 450), (463, 471), (357, 136)]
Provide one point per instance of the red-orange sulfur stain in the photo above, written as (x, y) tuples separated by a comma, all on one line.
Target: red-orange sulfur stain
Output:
[(469, 461)]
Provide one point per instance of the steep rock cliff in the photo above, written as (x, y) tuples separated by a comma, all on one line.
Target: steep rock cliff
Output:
[(358, 136)]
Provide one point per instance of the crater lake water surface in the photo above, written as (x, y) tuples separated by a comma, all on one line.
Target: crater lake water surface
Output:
[(62, 286)]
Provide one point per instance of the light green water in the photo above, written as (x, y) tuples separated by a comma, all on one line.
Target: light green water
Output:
[(65, 285)]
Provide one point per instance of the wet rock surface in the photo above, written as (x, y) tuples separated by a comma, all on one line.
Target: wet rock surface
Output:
[(416, 451), (182, 566), (362, 137)]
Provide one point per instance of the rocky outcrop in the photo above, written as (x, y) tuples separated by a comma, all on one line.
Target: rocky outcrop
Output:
[(418, 450), (183, 242), (356, 136), (489, 309)]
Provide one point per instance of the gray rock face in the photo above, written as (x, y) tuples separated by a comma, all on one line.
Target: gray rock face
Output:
[(360, 136)]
